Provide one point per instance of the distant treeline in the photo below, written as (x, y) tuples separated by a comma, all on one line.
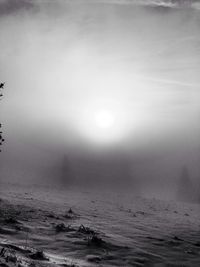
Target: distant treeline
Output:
[(186, 189)]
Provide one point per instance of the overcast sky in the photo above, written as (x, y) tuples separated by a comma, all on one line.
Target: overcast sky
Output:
[(99, 74)]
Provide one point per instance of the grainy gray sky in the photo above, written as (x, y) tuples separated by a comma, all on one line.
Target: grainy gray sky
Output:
[(99, 74)]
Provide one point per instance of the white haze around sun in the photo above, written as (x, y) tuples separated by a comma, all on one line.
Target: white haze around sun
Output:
[(65, 63)]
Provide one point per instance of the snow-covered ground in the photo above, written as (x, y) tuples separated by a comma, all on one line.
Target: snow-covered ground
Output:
[(101, 229)]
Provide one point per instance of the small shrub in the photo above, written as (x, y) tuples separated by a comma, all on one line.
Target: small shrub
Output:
[(86, 230), (39, 255), (61, 227), (94, 240)]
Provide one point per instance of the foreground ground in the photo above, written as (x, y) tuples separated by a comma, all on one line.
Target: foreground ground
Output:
[(54, 227)]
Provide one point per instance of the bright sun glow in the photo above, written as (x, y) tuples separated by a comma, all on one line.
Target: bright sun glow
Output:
[(104, 119), (103, 125)]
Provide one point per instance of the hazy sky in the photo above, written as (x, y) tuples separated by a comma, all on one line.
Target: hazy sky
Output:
[(99, 73)]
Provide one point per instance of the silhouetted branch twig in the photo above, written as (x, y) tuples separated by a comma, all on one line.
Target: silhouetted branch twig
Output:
[(1, 95)]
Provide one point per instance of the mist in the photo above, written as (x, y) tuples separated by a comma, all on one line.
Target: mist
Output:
[(99, 133), (117, 80)]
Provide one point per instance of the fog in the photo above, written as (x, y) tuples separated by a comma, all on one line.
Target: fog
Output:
[(117, 80)]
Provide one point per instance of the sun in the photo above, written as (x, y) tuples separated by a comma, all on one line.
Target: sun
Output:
[(101, 124), (104, 119)]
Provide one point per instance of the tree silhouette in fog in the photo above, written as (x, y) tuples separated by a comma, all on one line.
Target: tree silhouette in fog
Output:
[(1, 95), (66, 175), (185, 190)]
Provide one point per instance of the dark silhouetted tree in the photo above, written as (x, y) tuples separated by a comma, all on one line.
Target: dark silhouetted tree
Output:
[(66, 175), (1, 95), (185, 190)]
